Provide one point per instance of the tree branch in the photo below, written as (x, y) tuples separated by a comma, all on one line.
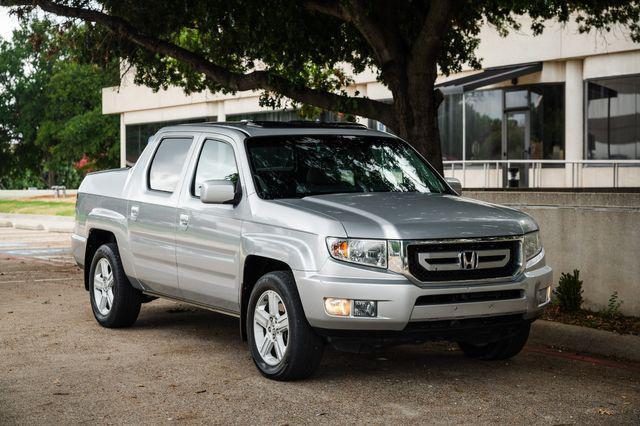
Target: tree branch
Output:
[(256, 80), (385, 44), (424, 50)]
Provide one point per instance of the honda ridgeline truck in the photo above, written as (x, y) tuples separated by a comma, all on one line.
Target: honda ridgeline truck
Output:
[(309, 234)]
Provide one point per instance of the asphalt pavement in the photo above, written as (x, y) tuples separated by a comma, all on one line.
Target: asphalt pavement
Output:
[(182, 364)]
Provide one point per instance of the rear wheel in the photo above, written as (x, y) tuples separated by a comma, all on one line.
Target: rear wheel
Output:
[(501, 349), (115, 303), (283, 345)]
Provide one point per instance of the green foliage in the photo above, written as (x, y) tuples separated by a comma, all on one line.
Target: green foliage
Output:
[(306, 50), (50, 110), (569, 292), (307, 45), (613, 307)]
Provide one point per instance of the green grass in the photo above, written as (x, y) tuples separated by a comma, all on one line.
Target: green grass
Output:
[(52, 208)]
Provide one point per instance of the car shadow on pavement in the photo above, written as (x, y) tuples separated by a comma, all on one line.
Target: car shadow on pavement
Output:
[(432, 360)]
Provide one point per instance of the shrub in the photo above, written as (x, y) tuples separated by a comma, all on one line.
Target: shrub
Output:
[(613, 307), (569, 292)]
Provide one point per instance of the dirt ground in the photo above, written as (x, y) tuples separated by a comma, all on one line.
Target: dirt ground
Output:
[(181, 364)]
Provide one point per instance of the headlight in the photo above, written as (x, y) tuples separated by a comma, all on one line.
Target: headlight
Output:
[(364, 252), (532, 245)]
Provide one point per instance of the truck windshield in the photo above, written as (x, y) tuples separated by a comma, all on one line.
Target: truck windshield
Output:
[(300, 166)]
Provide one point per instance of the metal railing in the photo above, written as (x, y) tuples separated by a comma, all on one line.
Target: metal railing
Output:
[(574, 175)]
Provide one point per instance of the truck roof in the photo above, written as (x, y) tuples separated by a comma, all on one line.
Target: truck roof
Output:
[(274, 128)]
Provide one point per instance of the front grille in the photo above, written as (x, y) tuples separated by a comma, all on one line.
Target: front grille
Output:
[(458, 261), (480, 296)]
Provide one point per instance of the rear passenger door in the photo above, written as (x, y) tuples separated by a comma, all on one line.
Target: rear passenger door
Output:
[(208, 236), (152, 213)]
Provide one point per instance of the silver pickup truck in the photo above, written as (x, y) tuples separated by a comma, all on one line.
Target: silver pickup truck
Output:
[(310, 234)]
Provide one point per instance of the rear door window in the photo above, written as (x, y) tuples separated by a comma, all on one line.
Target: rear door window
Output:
[(164, 173)]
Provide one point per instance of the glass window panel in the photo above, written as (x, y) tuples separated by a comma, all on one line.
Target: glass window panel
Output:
[(613, 118), (547, 122), (515, 99), (217, 162), (483, 115), (450, 126), (167, 163), (300, 166)]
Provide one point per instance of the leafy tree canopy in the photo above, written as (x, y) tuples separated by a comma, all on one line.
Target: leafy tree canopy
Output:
[(51, 126), (306, 50)]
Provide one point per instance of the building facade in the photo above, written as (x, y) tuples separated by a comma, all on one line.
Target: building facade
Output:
[(557, 110)]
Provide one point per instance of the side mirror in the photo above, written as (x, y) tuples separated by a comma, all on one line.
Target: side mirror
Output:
[(455, 185), (217, 192)]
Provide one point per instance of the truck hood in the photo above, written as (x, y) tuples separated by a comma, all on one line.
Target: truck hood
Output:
[(411, 215)]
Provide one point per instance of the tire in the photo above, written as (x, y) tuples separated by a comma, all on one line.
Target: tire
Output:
[(499, 350), (303, 347), (121, 301)]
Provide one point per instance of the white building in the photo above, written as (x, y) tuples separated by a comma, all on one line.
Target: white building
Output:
[(558, 110)]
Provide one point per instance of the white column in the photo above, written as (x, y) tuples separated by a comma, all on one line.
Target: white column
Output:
[(221, 116), (123, 142), (573, 116)]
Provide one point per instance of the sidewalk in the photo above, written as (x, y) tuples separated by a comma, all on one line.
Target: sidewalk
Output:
[(37, 222), (585, 340)]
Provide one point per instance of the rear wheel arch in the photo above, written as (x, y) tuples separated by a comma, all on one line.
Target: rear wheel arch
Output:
[(96, 238), (255, 267)]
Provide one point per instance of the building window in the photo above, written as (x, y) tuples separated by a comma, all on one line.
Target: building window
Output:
[(547, 122), (483, 130), (533, 118), (613, 118), (137, 135), (450, 125)]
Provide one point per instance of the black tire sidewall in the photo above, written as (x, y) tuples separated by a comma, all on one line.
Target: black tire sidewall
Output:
[(299, 328), (126, 300)]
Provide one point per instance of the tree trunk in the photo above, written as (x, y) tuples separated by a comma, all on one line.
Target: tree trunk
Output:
[(416, 115)]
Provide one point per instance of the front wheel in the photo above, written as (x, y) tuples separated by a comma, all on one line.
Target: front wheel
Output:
[(498, 350), (283, 345)]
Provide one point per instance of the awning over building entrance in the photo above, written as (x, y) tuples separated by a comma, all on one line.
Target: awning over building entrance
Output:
[(487, 77)]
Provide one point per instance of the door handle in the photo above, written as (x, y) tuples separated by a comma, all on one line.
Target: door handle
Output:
[(184, 220), (133, 215)]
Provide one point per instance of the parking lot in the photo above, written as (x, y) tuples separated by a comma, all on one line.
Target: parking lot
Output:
[(182, 364)]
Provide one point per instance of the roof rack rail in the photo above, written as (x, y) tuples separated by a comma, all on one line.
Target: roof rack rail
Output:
[(329, 123), (289, 124)]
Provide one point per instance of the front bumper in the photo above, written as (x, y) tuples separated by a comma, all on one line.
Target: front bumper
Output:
[(396, 297)]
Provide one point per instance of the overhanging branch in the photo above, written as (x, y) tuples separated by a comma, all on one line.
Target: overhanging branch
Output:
[(256, 80)]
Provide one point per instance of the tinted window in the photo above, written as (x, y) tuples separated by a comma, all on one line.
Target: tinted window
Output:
[(450, 125), (299, 166), (613, 118), (483, 116), (216, 162), (167, 164)]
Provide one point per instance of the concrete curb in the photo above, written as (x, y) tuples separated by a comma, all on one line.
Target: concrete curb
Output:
[(587, 340), (29, 226), (37, 222)]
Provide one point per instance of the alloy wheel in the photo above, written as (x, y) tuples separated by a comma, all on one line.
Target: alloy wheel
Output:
[(271, 327), (103, 286)]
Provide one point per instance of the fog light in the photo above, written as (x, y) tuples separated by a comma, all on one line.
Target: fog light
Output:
[(338, 307), (365, 308), (543, 295)]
